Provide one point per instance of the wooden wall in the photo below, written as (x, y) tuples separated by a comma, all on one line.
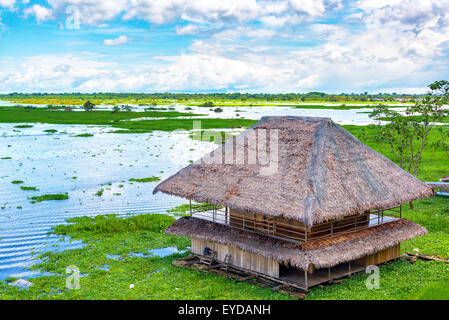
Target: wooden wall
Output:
[(381, 256), (239, 257)]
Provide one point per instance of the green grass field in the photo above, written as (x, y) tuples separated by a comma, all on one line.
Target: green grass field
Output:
[(107, 118)]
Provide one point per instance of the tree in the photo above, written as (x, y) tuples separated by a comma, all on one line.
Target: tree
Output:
[(407, 133), (207, 104), (89, 106), (126, 108), (115, 109)]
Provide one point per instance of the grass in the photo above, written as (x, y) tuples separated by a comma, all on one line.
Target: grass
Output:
[(153, 278), (49, 197), (184, 209), (29, 188), (14, 115), (84, 135), (17, 115), (150, 179)]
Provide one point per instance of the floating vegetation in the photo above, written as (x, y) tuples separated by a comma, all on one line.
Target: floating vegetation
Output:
[(51, 131), (17, 182), (84, 135), (29, 188), (184, 209), (48, 197), (6, 158), (23, 126), (99, 193), (126, 246), (150, 179)]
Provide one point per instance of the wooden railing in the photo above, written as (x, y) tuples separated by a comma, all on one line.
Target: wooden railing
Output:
[(294, 231)]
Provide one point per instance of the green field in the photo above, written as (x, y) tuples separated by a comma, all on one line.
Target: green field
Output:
[(219, 99), (107, 118)]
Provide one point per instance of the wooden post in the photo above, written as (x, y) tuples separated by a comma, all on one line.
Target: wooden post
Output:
[(306, 280), (329, 272), (190, 204), (349, 266), (411, 205), (400, 212)]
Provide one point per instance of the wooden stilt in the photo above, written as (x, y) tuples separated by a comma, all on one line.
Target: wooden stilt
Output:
[(411, 205), (306, 280)]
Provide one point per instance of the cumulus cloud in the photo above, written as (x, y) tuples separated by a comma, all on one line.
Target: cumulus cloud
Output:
[(117, 41), (187, 30), (41, 13), (398, 44), (7, 3), (199, 11)]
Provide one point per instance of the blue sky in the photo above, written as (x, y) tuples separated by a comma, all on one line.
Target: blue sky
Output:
[(269, 46)]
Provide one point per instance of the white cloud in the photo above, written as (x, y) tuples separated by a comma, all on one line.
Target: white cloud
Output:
[(187, 30), (41, 13), (7, 3), (399, 44), (117, 41), (375, 4), (198, 11)]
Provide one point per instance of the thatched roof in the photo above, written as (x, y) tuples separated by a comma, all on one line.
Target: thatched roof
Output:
[(319, 253), (445, 179), (323, 173)]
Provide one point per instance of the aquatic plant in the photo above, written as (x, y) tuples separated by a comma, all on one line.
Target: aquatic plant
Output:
[(29, 188), (150, 179), (48, 197), (84, 135)]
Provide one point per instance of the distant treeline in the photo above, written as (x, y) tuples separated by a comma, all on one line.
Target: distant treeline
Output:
[(311, 96)]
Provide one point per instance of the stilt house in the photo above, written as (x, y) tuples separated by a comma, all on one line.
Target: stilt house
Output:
[(328, 207)]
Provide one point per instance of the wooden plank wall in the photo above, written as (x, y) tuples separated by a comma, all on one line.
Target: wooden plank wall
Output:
[(381, 256), (239, 257)]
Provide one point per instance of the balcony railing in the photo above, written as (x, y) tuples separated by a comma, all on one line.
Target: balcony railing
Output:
[(294, 231)]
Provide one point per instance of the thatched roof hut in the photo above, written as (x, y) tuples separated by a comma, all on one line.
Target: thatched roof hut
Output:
[(319, 253), (323, 173)]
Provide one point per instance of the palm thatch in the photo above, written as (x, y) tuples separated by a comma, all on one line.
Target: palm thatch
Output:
[(445, 179), (319, 253), (323, 173)]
